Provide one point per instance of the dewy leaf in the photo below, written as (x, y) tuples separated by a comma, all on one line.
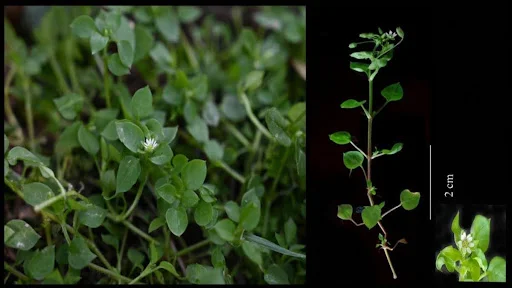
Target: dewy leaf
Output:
[(361, 55), (8, 232), (276, 275), (194, 174), (341, 137), (126, 53), (24, 237), (371, 215), (250, 214), (142, 103), (277, 126), (21, 153), (130, 135), (127, 174), (203, 213), (213, 150), (232, 210), (409, 200), (456, 228), (168, 192), (177, 220), (351, 103), (36, 193), (226, 229), (168, 25), (199, 130), (480, 230), (448, 256), (169, 134), (69, 105), (116, 66), (162, 154), (497, 271), (233, 109), (79, 254), (83, 26), (93, 216), (353, 159), (345, 211), (393, 92), (41, 263), (188, 14), (98, 42), (88, 141)]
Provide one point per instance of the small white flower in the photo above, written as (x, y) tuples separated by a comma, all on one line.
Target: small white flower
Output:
[(150, 144), (465, 243), (391, 34)]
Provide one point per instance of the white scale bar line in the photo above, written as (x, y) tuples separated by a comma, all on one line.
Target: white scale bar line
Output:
[(430, 173)]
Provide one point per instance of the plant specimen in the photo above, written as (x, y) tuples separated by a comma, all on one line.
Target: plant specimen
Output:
[(381, 53), (468, 257), (159, 146)]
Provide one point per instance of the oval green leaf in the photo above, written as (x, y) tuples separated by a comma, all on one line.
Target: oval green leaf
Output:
[(409, 200), (480, 230), (36, 193), (276, 275), (194, 174), (88, 141), (41, 263), (127, 174), (232, 210), (497, 271), (393, 92), (226, 229), (345, 211), (371, 215), (353, 159), (177, 220), (24, 237), (130, 135), (351, 103), (79, 254), (142, 103), (116, 66), (203, 213), (341, 137)]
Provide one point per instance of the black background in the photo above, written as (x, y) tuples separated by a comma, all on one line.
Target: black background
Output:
[(454, 82)]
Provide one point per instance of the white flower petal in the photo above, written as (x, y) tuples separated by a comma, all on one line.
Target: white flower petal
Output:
[(469, 237), (459, 244), (463, 236)]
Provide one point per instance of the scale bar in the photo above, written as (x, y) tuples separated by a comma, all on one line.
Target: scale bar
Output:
[(430, 181)]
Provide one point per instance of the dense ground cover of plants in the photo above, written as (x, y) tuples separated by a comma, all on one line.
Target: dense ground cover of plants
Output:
[(155, 145)]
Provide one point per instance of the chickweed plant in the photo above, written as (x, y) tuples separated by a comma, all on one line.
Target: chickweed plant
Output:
[(155, 145), (468, 258), (381, 53)]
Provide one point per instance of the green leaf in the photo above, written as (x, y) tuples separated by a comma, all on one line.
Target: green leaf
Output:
[(277, 126), (345, 211), (226, 229), (98, 42), (6, 144), (353, 159), (276, 275), (143, 43), (168, 25), (130, 135), (456, 228), (181, 81), (20, 153), (480, 230), (497, 271), (169, 134), (194, 272), (250, 214), (409, 200), (168, 267), (400, 32), (233, 109), (172, 96), (203, 213), (155, 224), (190, 111), (341, 137), (253, 80), (79, 254), (190, 199), (93, 216), (88, 141), (361, 55), (448, 256), (232, 210), (161, 56), (8, 232), (153, 253), (199, 130), (116, 66), (188, 14), (351, 103), (127, 174), (24, 237), (393, 92), (155, 128), (479, 257), (290, 231), (142, 103), (168, 192), (110, 240), (211, 114), (253, 252), (53, 278), (41, 263), (474, 268), (126, 53), (69, 105), (194, 174), (359, 67), (213, 150), (83, 26), (177, 220), (135, 256), (179, 161), (36, 193), (272, 246), (217, 258), (162, 154), (371, 215), (395, 149)]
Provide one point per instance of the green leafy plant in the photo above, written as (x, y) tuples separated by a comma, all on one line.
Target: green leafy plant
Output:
[(164, 147), (468, 257), (382, 52)]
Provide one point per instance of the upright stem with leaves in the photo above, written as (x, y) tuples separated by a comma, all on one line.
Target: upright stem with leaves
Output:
[(382, 52)]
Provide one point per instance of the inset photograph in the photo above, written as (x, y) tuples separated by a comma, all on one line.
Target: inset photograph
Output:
[(470, 243)]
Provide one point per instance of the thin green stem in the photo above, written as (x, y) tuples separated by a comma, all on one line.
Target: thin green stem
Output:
[(139, 232), (230, 171), (135, 201), (189, 51), (391, 210), (192, 248), (238, 135), (355, 223), (358, 149), (11, 118), (57, 71), (28, 113), (121, 251), (380, 109), (390, 264), (52, 200), (252, 117), (105, 78), (65, 232), (15, 272), (112, 274)]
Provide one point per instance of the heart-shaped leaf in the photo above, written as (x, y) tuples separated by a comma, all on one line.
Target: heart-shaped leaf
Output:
[(409, 200)]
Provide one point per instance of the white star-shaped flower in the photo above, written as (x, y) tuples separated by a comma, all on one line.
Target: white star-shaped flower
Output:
[(150, 144), (391, 34), (465, 243)]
